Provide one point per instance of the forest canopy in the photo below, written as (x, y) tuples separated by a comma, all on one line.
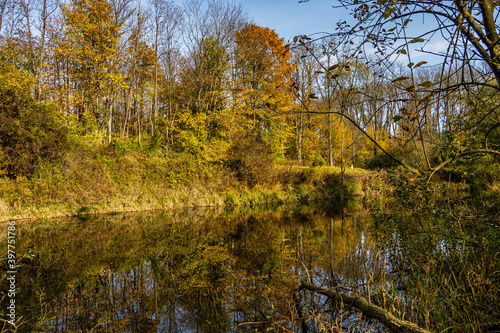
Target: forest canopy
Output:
[(202, 79)]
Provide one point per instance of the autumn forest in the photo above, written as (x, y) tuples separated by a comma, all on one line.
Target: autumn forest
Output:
[(202, 79), (113, 106)]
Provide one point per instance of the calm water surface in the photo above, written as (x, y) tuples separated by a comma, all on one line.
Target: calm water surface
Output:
[(191, 270)]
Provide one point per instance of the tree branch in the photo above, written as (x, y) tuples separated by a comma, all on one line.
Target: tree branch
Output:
[(462, 154), (393, 323)]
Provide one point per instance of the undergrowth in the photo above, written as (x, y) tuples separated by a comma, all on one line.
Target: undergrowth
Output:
[(442, 257), (129, 176)]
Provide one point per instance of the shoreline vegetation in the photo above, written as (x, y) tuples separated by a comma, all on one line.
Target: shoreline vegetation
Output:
[(113, 183), (105, 180)]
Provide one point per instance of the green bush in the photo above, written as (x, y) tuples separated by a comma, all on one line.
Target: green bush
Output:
[(380, 161), (317, 160)]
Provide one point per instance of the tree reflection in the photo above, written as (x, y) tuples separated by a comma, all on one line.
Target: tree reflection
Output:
[(196, 272)]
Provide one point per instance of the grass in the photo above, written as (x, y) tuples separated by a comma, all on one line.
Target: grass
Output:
[(94, 179), (444, 274)]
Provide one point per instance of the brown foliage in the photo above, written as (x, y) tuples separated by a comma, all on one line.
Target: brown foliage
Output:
[(251, 160), (29, 134)]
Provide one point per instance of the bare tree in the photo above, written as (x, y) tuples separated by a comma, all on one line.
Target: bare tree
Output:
[(3, 7), (471, 30), (208, 33), (165, 20), (305, 81)]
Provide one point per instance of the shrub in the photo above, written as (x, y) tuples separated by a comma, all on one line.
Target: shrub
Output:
[(251, 160), (30, 134), (317, 160), (381, 161)]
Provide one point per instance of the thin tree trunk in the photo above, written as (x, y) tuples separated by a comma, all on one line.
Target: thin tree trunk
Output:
[(299, 136), (110, 122), (155, 100), (330, 143)]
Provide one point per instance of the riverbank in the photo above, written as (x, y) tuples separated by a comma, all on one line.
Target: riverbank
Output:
[(99, 180)]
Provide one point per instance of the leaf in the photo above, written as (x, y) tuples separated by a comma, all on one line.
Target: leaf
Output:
[(388, 12), (397, 118), (417, 40), (402, 51), (382, 2), (401, 78), (420, 64), (426, 84), (424, 100), (333, 67), (410, 65), (295, 39), (410, 88)]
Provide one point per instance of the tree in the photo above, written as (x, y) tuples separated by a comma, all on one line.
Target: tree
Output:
[(89, 47), (140, 59), (208, 35), (264, 84), (165, 20), (30, 28), (461, 23), (30, 133), (305, 84), (471, 31)]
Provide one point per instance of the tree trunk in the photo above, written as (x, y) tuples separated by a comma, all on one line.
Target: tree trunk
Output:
[(390, 321), (330, 143)]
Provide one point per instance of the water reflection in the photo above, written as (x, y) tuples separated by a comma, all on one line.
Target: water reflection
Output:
[(193, 271)]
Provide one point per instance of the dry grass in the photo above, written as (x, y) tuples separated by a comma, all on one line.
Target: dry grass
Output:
[(96, 179)]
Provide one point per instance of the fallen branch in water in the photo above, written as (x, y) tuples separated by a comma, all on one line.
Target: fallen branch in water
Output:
[(368, 309)]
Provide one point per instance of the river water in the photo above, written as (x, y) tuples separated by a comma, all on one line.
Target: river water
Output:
[(194, 270)]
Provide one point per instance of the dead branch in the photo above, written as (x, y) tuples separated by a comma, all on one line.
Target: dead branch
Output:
[(390, 321)]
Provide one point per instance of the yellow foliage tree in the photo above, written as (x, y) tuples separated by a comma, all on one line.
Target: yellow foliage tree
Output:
[(88, 49)]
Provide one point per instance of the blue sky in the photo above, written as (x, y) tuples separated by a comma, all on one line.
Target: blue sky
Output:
[(290, 18)]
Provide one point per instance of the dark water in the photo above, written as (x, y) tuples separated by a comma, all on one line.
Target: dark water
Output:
[(192, 271)]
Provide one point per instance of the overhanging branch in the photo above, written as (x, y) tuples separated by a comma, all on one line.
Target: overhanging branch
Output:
[(462, 154)]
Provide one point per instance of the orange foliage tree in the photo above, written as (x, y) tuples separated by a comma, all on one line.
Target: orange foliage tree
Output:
[(263, 85)]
